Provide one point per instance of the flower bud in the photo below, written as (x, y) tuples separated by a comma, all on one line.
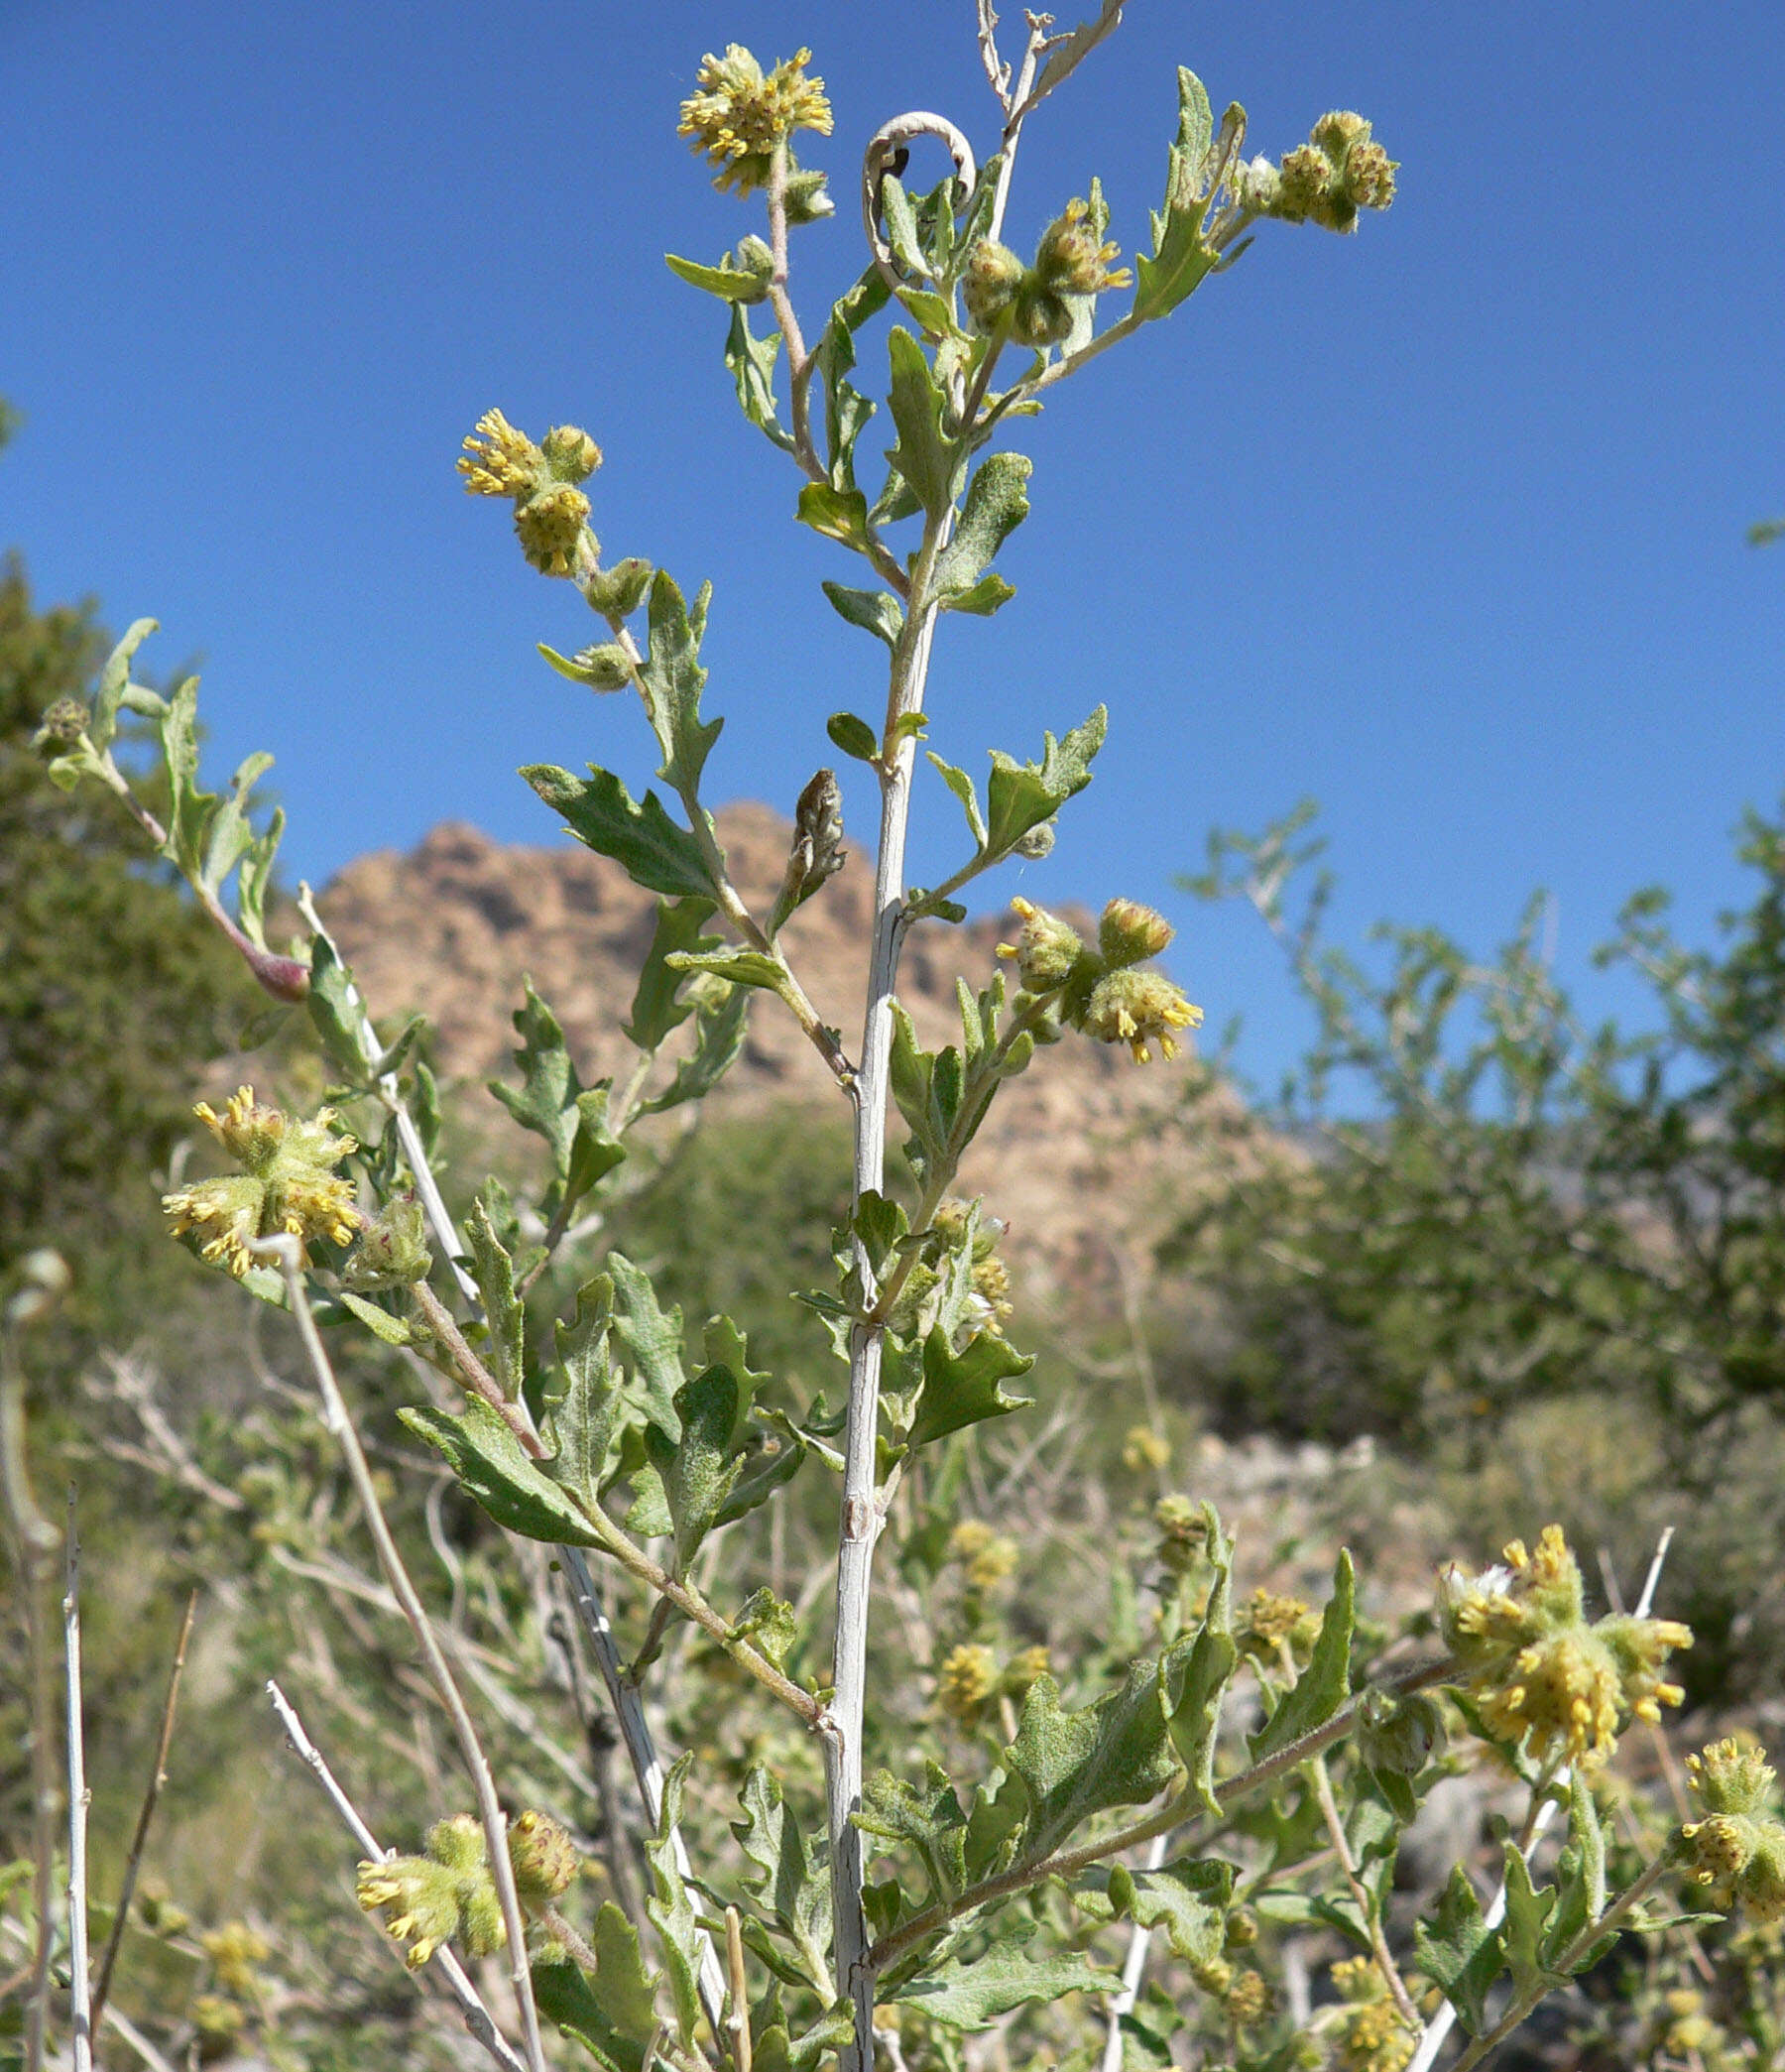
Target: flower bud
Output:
[(968, 1677), (616, 592), (61, 726), (1036, 843), (1040, 318), (1400, 1734), (1129, 933), (988, 285), (807, 202), (392, 1251), (571, 453), (605, 667), (544, 1857), (1045, 951), (1248, 2000)]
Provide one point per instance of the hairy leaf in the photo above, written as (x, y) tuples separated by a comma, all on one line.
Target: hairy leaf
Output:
[(653, 1339), (638, 834), (1071, 1764), (839, 513), (494, 1272), (1460, 1952), (922, 457), (966, 1387), (752, 363), (616, 2022), (493, 1468), (996, 504), (972, 1993), (876, 611), (658, 1007), (581, 1419), (671, 1911), (1188, 1899), (1197, 1677), (788, 1874), (1325, 1684), (1020, 796), (1180, 260), (927, 1821), (672, 677)]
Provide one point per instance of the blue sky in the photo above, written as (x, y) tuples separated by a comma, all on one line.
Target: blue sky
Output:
[(1443, 523)]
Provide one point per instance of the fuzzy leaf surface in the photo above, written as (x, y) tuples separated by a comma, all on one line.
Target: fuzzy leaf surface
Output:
[(1460, 1952), (1020, 796), (615, 2024), (1188, 1899), (653, 1339), (877, 612), (1325, 1684), (639, 835), (658, 1006), (996, 503), (1072, 1765), (973, 1992), (923, 456), (752, 363), (788, 1874), (1197, 1677), (1180, 260), (672, 1911), (966, 1387), (492, 1468)]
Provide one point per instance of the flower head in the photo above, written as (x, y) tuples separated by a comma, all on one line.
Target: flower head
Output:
[(1370, 2032), (1739, 1849), (740, 115), (550, 511), (1340, 170), (1539, 1673), (288, 1184), (1070, 260), (968, 1677), (1045, 952), (1129, 933), (544, 1858), (1137, 1008)]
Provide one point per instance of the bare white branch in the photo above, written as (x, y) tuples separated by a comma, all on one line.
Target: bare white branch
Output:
[(81, 2012)]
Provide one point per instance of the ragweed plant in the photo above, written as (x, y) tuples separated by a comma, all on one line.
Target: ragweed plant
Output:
[(1267, 1753)]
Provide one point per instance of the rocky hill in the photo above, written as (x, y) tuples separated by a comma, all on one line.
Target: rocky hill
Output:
[(1077, 1156)]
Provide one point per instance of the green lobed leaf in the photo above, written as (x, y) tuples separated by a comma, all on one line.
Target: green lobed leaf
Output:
[(672, 677), (1580, 1872), (900, 219), (767, 1622), (973, 1992), (495, 1472), (989, 594), (876, 611), (671, 1911), (839, 513), (1180, 260), (721, 1017), (962, 785), (582, 1418), (256, 878), (1072, 1765), (639, 836), (996, 503), (846, 409), (546, 1100), (928, 1822), (925, 463), (1188, 1899), (752, 363), (1460, 1952), (114, 676), (697, 1470), (658, 1006), (1525, 1934), (229, 837), (188, 808), (1325, 1684), (335, 1010), (966, 1387), (615, 2024), (494, 1272), (1197, 1678), (789, 1875), (653, 1338), (1020, 796)]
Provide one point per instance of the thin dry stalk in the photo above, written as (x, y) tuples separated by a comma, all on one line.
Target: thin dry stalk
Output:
[(495, 1824), (478, 2018), (158, 1778), (81, 2012)]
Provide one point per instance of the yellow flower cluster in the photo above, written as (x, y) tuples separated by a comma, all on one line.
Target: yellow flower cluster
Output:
[(1102, 991), (288, 1184), (1370, 2034), (968, 1677), (1539, 1673), (740, 115), (1739, 1848), (1265, 1622), (1340, 170), (551, 511)]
